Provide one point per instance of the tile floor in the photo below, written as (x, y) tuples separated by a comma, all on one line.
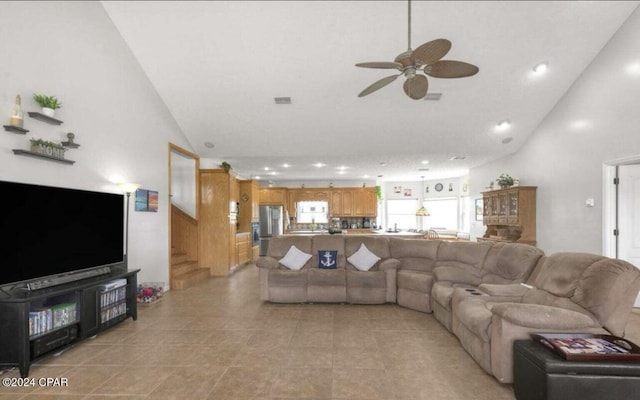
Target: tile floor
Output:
[(219, 341)]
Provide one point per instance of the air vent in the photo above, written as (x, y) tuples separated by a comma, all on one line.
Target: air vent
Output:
[(433, 96), (282, 100), (507, 140), (423, 169), (458, 158)]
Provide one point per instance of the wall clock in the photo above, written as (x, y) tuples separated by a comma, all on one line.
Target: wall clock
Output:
[(439, 187)]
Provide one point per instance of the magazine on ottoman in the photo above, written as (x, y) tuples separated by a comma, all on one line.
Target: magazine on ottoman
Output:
[(589, 347)]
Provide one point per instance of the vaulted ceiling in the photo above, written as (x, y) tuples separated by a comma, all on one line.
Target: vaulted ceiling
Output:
[(218, 65)]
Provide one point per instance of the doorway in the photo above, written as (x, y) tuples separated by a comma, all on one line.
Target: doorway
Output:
[(183, 216), (621, 211)]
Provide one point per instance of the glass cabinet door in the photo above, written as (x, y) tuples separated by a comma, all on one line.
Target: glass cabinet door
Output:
[(512, 217)]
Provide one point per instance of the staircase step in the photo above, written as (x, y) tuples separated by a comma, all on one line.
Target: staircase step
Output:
[(190, 278), (183, 267), (177, 258)]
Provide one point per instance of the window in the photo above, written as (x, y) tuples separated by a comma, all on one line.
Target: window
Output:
[(312, 212), (443, 214), (402, 214)]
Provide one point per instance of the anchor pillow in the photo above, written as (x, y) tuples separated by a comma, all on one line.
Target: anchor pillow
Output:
[(327, 259)]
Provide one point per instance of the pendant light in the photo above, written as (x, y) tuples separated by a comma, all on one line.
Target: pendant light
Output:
[(422, 211)]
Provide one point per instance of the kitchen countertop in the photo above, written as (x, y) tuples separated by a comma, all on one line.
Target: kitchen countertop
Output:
[(357, 232)]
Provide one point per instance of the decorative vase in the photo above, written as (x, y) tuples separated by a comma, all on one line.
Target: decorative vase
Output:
[(49, 112)]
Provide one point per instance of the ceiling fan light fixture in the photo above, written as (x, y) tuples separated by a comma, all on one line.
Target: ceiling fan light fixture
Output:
[(503, 125), (541, 68), (426, 58), (433, 97)]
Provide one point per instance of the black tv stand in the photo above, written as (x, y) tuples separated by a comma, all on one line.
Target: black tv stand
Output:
[(36, 323)]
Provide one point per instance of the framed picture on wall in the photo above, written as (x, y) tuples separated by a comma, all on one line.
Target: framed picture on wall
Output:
[(479, 208)]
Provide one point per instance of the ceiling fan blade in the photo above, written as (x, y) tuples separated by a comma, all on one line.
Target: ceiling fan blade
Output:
[(416, 87), (432, 51), (450, 69), (378, 85), (380, 65)]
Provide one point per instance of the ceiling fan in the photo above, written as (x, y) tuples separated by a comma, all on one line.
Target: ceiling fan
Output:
[(425, 58)]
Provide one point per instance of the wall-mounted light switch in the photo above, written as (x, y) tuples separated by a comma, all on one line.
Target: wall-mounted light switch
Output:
[(590, 202)]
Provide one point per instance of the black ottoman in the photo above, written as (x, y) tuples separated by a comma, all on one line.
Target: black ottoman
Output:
[(538, 374)]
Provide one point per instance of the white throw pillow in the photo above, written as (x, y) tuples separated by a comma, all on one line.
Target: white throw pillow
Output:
[(363, 259), (295, 258)]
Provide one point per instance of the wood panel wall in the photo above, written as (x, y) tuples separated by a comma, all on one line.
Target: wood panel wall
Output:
[(184, 233)]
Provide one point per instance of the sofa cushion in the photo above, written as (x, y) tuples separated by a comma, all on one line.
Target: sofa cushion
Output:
[(561, 272), (465, 255), (513, 263), (476, 317), (280, 245), (415, 254), (608, 289), (295, 259), (363, 259), (327, 277), (414, 280), (328, 242)]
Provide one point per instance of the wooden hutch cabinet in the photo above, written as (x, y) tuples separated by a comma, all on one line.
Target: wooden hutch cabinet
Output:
[(510, 215)]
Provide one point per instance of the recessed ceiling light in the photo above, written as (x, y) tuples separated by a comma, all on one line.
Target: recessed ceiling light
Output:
[(319, 165), (424, 162), (209, 145), (342, 168), (273, 173), (257, 178), (266, 168), (541, 68), (365, 176), (634, 69), (342, 172), (285, 165)]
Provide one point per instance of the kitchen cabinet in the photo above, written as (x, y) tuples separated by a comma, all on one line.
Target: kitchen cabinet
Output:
[(273, 196), (341, 204), (219, 193), (249, 204), (243, 248), (510, 215), (353, 202)]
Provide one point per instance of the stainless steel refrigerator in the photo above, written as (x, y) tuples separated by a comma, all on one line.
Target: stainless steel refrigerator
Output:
[(271, 225)]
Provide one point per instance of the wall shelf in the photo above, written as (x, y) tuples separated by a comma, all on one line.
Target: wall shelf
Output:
[(43, 156), (44, 118), (71, 145), (15, 129)]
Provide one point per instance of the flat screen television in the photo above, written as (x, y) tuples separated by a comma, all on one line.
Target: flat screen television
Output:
[(52, 232)]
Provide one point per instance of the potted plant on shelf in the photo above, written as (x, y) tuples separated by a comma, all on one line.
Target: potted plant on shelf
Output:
[(49, 104), (226, 166), (504, 180), (47, 148)]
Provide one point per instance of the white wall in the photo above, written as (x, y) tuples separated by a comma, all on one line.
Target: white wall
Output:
[(73, 51), (596, 121)]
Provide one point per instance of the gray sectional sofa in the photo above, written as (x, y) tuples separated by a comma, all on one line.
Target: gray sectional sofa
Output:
[(486, 294)]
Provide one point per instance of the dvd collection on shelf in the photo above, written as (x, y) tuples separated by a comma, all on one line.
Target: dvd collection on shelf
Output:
[(113, 300), (50, 318)]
